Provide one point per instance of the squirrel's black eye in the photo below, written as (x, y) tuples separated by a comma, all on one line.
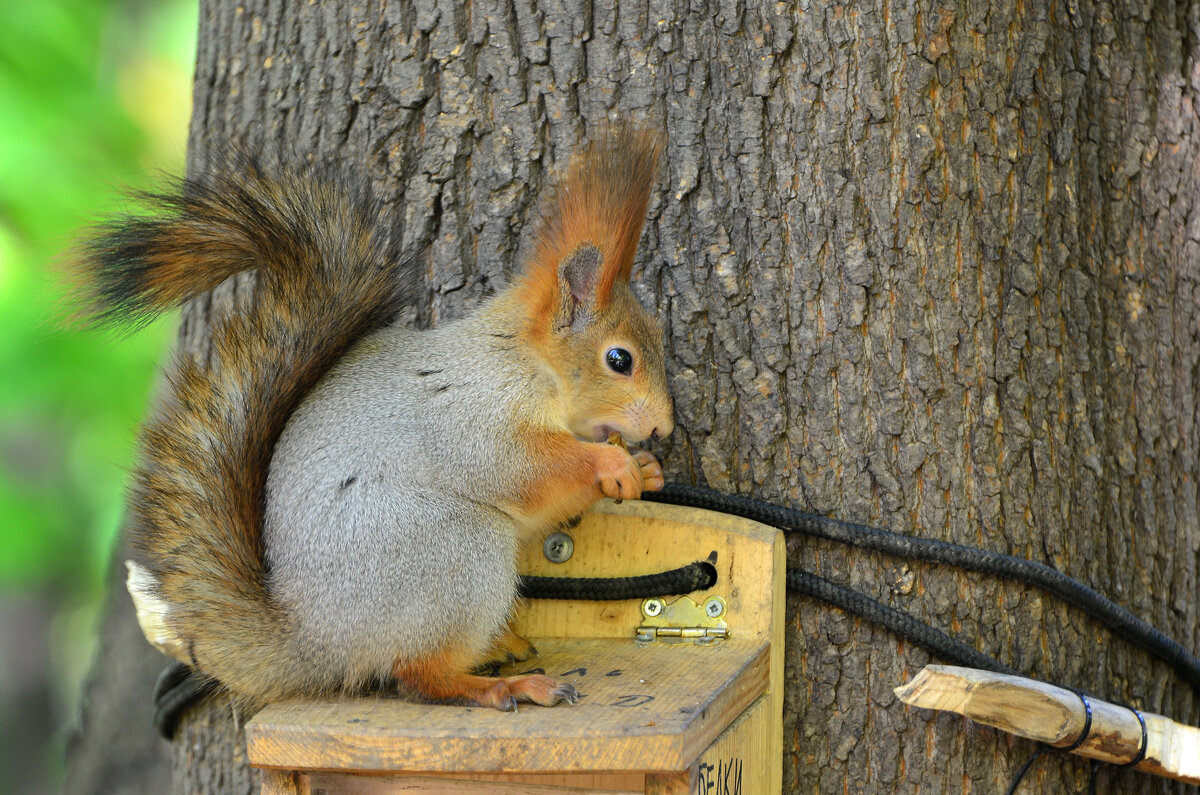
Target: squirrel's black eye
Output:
[(620, 360)]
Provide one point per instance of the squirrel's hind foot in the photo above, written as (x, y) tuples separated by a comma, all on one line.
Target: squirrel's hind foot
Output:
[(537, 689), (508, 647), (444, 677)]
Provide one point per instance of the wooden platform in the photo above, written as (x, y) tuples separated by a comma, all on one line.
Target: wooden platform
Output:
[(668, 716)]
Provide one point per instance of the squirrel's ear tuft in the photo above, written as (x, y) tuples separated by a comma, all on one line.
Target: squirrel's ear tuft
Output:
[(599, 208), (578, 279)]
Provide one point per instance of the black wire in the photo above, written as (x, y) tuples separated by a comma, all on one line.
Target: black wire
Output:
[(1116, 618), (1084, 734), (1141, 754), (1086, 731), (1012, 788)]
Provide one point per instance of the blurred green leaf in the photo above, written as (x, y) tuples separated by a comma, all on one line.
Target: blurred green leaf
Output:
[(94, 99)]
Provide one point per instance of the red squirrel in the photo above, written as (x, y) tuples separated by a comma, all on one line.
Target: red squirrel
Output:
[(336, 500)]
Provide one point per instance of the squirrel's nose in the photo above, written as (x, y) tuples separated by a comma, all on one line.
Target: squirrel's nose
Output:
[(663, 430)]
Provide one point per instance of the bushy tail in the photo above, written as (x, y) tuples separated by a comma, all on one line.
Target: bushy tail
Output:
[(326, 276)]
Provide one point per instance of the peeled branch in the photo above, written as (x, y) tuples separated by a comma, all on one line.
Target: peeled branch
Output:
[(1058, 717)]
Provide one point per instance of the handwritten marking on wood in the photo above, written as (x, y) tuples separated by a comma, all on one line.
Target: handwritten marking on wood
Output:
[(724, 778)]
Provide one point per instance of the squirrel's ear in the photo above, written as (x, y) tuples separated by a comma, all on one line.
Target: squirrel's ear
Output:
[(587, 240), (578, 279)]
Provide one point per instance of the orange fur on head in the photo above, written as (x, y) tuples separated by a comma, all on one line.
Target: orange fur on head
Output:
[(602, 202)]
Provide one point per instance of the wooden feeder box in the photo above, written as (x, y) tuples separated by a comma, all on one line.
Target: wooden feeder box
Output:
[(682, 710)]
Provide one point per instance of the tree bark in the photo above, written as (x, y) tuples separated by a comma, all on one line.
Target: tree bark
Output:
[(930, 266), (115, 750)]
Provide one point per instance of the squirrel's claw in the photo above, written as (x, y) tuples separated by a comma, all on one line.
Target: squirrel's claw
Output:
[(566, 692), (539, 689)]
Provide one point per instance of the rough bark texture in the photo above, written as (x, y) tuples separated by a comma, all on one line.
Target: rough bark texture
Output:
[(932, 266), (114, 750)]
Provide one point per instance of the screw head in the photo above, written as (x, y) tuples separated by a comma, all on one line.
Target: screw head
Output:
[(714, 607), (653, 607), (558, 547)]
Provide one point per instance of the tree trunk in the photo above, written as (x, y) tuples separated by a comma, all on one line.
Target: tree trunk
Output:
[(931, 267)]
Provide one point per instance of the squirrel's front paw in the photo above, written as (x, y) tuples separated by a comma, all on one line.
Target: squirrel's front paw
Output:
[(619, 475), (652, 474)]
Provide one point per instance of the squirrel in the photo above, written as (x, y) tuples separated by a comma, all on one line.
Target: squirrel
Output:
[(336, 500)]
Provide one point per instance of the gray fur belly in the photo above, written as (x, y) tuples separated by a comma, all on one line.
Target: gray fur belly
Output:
[(372, 571)]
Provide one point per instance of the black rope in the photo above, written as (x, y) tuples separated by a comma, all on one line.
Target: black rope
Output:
[(898, 622), (698, 576), (1116, 618), (176, 688)]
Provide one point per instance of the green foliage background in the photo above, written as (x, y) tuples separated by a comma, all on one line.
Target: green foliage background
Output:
[(94, 99)]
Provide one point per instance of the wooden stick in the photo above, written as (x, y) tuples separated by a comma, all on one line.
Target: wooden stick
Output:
[(1058, 718)]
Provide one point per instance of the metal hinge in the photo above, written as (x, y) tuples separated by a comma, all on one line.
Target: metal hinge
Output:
[(684, 619)]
